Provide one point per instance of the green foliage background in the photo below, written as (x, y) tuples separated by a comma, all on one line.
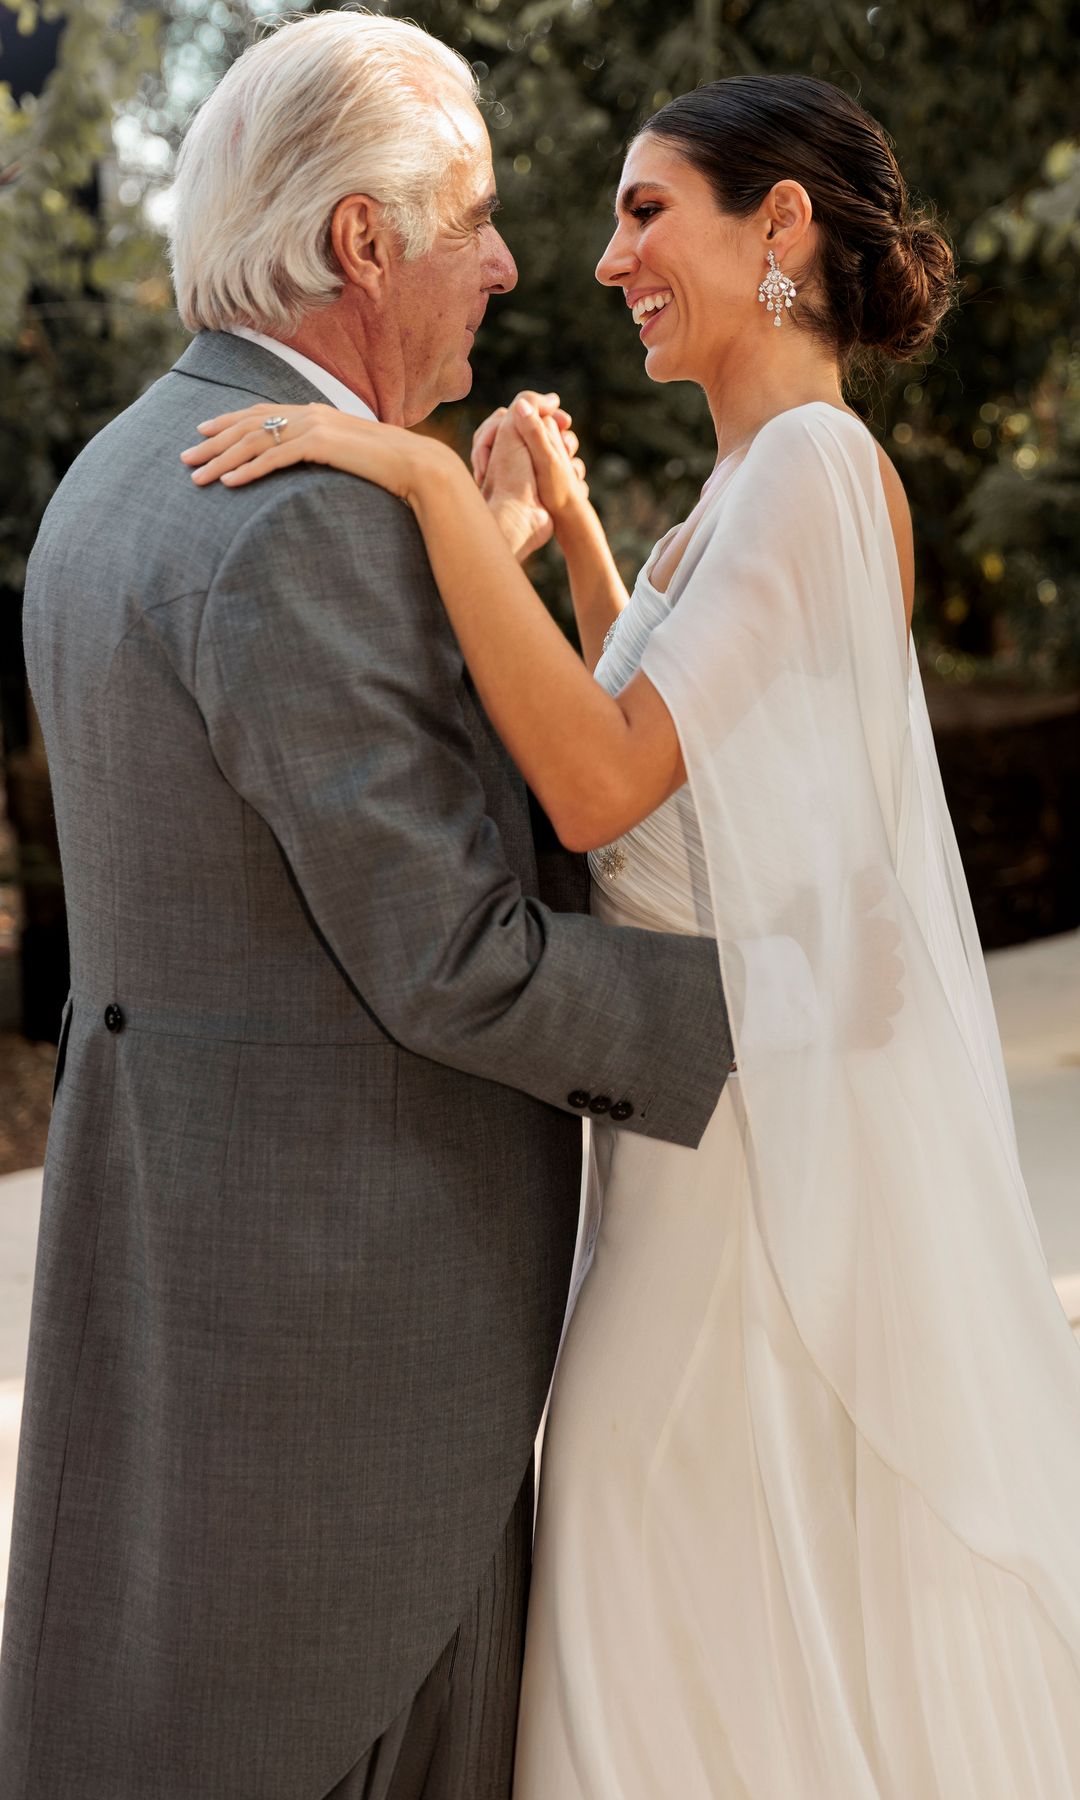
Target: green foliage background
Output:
[(981, 98)]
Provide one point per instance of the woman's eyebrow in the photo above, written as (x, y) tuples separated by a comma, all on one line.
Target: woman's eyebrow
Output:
[(625, 200)]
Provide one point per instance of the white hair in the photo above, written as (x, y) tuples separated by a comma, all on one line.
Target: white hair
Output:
[(340, 103)]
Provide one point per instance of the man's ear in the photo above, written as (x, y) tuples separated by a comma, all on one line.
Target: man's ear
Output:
[(362, 241)]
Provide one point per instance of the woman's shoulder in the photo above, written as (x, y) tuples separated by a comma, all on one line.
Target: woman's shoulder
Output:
[(827, 425), (819, 422), (782, 445), (794, 458), (790, 465)]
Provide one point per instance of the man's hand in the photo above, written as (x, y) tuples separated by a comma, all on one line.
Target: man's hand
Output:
[(504, 472)]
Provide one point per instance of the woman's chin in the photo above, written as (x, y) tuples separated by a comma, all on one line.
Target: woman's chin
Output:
[(660, 365)]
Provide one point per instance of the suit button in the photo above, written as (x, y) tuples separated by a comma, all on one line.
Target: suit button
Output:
[(599, 1104), (579, 1099), (114, 1019), (622, 1109)]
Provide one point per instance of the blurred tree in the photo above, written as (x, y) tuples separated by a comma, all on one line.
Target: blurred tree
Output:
[(84, 307), (1023, 514), (84, 320)]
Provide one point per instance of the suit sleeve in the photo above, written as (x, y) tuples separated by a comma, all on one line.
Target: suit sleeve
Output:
[(331, 685)]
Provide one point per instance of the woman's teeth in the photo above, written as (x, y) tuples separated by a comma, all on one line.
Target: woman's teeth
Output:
[(650, 303)]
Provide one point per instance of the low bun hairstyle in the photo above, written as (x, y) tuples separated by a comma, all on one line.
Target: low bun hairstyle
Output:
[(885, 275), (911, 290)]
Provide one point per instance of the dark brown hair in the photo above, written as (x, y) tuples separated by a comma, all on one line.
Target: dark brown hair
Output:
[(885, 271)]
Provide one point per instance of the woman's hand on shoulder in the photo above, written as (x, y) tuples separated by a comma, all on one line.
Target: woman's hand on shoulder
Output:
[(239, 447)]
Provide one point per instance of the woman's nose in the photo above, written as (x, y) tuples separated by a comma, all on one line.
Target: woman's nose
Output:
[(617, 261)]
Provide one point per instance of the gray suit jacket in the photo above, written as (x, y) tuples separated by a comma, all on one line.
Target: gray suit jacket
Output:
[(312, 1179)]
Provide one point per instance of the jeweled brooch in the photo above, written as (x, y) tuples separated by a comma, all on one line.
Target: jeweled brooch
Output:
[(611, 861)]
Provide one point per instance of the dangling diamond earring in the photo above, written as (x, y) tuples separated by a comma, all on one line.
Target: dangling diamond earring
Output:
[(776, 290)]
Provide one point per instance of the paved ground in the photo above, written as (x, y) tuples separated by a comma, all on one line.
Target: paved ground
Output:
[(20, 1198), (1037, 994)]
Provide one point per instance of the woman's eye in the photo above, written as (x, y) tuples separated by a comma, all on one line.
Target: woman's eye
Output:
[(643, 213)]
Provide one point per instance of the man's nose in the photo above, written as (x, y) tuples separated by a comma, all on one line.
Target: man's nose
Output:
[(504, 272), (617, 261)]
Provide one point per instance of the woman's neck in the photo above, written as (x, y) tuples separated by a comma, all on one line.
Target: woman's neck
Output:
[(744, 397)]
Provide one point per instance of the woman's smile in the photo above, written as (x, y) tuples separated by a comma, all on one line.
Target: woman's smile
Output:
[(647, 309), (652, 319)]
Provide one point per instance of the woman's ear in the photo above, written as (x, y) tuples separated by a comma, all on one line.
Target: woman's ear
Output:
[(361, 241), (789, 213)]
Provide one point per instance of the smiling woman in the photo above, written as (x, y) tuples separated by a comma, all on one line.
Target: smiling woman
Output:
[(873, 274)]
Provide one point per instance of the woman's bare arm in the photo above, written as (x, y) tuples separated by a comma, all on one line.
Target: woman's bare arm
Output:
[(597, 764), (596, 587)]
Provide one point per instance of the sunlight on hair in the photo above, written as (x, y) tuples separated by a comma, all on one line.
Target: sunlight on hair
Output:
[(342, 103)]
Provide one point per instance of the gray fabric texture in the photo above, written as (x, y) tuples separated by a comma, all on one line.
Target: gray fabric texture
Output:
[(455, 1739), (309, 1212)]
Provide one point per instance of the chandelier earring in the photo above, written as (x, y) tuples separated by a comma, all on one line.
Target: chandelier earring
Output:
[(776, 291)]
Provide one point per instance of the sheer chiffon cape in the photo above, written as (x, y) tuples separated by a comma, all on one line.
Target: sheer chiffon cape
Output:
[(884, 1175)]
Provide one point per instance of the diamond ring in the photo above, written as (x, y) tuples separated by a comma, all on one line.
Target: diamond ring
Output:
[(277, 425)]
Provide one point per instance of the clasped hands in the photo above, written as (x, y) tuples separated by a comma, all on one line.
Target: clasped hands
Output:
[(526, 464)]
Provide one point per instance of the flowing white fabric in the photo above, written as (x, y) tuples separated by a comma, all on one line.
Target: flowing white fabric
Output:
[(810, 1505)]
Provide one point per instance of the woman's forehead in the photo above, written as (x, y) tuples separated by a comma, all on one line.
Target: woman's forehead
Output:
[(653, 164)]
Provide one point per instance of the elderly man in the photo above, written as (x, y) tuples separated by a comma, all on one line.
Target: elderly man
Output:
[(312, 1182)]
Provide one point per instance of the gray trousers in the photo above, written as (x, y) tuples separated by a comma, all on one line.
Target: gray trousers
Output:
[(455, 1739)]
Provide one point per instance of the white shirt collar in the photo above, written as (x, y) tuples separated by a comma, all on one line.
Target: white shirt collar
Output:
[(334, 390)]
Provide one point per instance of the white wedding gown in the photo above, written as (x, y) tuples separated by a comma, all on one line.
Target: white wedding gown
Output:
[(809, 1523)]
